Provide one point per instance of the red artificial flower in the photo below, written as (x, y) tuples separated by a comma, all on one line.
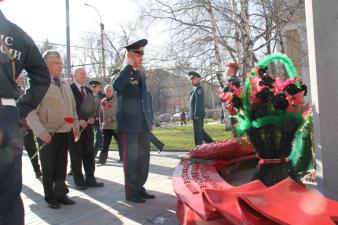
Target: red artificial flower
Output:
[(99, 110), (103, 103), (69, 119), (226, 97), (109, 105)]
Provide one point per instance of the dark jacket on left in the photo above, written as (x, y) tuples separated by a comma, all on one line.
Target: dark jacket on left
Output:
[(28, 57)]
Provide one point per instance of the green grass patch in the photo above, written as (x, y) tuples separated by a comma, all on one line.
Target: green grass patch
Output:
[(182, 137)]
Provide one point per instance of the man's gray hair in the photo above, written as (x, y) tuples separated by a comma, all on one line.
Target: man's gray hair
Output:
[(106, 87), (47, 54)]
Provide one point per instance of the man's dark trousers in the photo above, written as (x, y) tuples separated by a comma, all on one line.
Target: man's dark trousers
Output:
[(30, 147), (98, 136), (155, 141), (11, 145), (199, 132), (54, 166), (107, 136), (83, 151), (136, 157)]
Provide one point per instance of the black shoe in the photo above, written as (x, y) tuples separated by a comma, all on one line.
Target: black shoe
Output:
[(70, 173), (81, 187), (136, 199), (38, 174), (53, 204), (147, 196), (96, 184), (65, 200), (103, 158), (160, 149)]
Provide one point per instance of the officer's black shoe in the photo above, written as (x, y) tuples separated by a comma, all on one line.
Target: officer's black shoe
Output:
[(53, 204), (38, 174), (147, 196), (160, 149), (96, 184), (136, 199), (65, 200), (103, 158)]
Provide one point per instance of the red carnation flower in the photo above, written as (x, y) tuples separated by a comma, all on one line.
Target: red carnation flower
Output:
[(99, 110), (103, 104), (109, 105), (69, 119)]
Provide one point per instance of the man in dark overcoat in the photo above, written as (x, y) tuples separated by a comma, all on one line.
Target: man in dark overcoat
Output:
[(134, 123), (197, 109), (17, 52)]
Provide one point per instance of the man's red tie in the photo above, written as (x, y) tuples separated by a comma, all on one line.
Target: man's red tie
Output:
[(83, 94)]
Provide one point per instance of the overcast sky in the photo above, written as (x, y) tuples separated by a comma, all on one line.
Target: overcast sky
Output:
[(43, 19)]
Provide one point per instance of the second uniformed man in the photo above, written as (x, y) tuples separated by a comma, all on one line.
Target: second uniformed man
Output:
[(134, 123), (197, 110)]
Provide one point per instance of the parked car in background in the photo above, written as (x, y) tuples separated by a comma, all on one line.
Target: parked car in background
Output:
[(165, 117), (176, 117)]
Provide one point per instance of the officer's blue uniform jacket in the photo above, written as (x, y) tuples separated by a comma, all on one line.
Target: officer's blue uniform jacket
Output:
[(132, 103), (28, 57), (196, 103)]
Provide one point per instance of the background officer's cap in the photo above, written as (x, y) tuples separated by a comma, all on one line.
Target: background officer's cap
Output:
[(193, 74), (137, 46), (94, 83), (233, 65)]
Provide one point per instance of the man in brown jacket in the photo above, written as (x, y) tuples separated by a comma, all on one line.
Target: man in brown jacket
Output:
[(49, 122)]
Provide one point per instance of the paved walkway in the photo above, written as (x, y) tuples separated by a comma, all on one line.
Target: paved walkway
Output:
[(107, 205)]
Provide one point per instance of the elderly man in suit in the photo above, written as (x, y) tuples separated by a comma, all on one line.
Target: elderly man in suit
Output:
[(134, 123), (82, 152), (48, 122)]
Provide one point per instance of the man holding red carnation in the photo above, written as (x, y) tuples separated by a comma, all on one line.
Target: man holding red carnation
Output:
[(52, 121)]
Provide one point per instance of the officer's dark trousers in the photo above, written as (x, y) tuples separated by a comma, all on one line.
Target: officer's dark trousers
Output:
[(11, 145), (136, 155), (107, 136), (98, 136), (30, 147), (53, 158), (199, 132), (155, 141), (83, 152)]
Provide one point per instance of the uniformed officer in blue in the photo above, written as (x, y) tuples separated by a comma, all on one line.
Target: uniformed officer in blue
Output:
[(95, 86), (197, 110), (134, 123), (17, 52)]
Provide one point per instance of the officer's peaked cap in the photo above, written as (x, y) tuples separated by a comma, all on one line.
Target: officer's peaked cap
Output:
[(233, 65), (137, 46), (193, 74), (94, 82)]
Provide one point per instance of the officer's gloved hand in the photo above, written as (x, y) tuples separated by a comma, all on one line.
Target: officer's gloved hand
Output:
[(130, 61)]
